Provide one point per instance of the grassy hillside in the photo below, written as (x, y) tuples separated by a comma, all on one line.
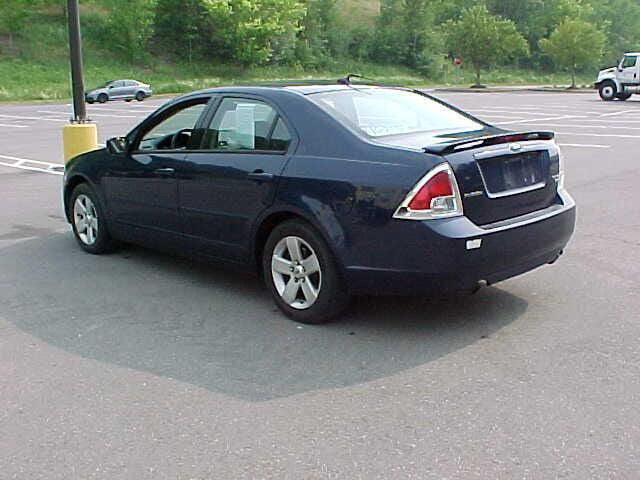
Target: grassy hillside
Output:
[(35, 65)]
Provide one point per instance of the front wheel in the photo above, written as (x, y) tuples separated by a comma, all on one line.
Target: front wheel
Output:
[(302, 275), (140, 96), (103, 98), (607, 91), (88, 221)]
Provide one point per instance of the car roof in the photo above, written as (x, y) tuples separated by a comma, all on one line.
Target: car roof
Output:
[(633, 53), (300, 89)]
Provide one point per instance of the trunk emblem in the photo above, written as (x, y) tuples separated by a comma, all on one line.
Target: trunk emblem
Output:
[(477, 193), (515, 147)]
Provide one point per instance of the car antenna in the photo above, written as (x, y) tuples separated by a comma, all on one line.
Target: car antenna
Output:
[(347, 80)]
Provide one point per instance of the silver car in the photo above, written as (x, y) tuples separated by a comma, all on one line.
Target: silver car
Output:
[(125, 90)]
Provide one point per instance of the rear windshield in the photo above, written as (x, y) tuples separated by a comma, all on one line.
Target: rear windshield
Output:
[(381, 112)]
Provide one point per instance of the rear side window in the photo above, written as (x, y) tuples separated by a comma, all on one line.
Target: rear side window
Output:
[(246, 124), (280, 138)]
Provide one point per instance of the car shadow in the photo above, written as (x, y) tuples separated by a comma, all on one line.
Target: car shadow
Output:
[(218, 329)]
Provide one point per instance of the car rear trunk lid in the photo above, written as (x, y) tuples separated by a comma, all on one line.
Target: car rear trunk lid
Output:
[(503, 176)]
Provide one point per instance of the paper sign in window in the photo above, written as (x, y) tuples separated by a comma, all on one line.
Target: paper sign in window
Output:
[(246, 125)]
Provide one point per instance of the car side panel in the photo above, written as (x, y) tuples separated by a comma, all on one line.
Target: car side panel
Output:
[(351, 201)]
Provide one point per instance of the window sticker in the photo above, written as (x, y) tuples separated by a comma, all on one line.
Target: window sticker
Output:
[(246, 125)]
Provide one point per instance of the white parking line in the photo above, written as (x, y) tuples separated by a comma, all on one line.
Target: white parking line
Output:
[(12, 125), (560, 125), (504, 110), (563, 117), (591, 134), (500, 116), (128, 110), (22, 117), (621, 112), (23, 164), (583, 145), (538, 111), (68, 114)]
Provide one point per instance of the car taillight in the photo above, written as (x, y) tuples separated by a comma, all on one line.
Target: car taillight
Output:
[(436, 195)]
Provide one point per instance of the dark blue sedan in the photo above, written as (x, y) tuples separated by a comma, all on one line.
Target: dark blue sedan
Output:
[(328, 191)]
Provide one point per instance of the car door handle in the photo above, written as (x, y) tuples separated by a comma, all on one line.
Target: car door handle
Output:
[(260, 175), (164, 171)]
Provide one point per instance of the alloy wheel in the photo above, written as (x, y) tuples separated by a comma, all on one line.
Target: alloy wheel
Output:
[(296, 272), (85, 219)]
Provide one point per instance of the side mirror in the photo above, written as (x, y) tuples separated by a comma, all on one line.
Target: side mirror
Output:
[(117, 145)]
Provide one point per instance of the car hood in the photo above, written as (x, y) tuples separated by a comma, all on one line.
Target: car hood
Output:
[(607, 73)]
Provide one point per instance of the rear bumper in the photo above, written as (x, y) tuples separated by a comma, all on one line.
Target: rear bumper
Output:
[(437, 256)]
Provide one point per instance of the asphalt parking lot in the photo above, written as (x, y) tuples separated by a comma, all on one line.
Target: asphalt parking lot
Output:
[(138, 365)]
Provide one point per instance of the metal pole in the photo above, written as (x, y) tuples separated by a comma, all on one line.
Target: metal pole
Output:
[(75, 54)]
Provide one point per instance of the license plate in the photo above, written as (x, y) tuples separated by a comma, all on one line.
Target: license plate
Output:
[(510, 174)]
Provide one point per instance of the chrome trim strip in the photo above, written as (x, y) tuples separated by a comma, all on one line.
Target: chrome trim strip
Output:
[(515, 191), (506, 149)]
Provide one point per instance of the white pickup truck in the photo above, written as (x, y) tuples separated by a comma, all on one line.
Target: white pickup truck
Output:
[(622, 81)]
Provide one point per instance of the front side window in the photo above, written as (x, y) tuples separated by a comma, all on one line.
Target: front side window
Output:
[(381, 112), (174, 132), (246, 124), (629, 61)]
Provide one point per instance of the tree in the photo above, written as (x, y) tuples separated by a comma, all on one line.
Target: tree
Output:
[(318, 25), (406, 34), (13, 15), (422, 40), (484, 40), (574, 44), (260, 25), (130, 26), (179, 26), (389, 33), (620, 21)]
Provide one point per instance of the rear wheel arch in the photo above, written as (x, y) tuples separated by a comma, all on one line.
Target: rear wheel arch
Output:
[(272, 220)]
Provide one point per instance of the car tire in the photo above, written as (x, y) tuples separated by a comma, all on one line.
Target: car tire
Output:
[(128, 99), (140, 96), (607, 91), (88, 221), (103, 98), (90, 102), (623, 96), (292, 247)]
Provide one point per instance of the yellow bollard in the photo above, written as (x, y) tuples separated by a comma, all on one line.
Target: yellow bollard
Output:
[(79, 138)]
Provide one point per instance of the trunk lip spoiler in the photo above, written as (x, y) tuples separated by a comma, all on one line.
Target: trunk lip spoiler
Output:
[(460, 145)]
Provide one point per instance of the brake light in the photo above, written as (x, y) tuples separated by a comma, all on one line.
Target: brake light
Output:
[(436, 195)]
